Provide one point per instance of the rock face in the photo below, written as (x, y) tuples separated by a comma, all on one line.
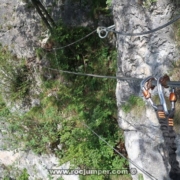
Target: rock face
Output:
[(142, 56), (20, 30), (38, 167), (12, 162), (21, 26)]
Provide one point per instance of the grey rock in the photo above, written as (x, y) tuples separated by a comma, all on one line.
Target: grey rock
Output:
[(37, 166), (141, 57)]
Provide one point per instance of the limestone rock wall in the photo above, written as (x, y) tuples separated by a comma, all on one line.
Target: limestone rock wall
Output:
[(142, 56), (22, 32)]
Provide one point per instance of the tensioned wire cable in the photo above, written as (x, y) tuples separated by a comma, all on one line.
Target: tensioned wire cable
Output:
[(136, 129), (95, 75), (168, 83), (76, 41), (111, 77), (141, 169), (132, 162), (123, 33), (146, 32), (91, 75), (114, 77), (99, 76), (123, 78)]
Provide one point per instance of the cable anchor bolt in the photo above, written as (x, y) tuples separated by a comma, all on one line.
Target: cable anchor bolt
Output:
[(103, 31)]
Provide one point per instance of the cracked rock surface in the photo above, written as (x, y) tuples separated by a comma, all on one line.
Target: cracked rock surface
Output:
[(142, 56)]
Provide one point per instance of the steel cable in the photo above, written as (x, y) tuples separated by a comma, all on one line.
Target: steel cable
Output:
[(132, 162), (146, 32), (94, 75), (75, 41)]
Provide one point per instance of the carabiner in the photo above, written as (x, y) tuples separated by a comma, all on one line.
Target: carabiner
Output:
[(103, 30), (145, 87), (161, 96), (145, 90), (172, 98)]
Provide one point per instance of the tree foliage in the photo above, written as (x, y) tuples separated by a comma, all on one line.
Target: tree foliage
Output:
[(60, 118)]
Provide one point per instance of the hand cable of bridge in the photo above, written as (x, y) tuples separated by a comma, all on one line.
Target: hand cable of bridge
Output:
[(132, 162), (94, 75), (110, 29), (123, 78), (75, 41)]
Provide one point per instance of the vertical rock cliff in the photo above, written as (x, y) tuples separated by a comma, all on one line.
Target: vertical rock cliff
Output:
[(142, 56)]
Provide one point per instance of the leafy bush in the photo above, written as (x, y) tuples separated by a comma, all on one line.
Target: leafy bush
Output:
[(23, 176), (4, 111), (133, 102), (66, 106), (148, 3), (20, 174), (14, 75), (140, 177), (109, 2), (92, 102), (176, 26)]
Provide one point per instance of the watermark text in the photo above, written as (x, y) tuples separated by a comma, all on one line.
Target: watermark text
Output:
[(132, 171)]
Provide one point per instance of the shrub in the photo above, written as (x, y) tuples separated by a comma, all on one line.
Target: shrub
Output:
[(14, 76), (66, 105), (134, 103)]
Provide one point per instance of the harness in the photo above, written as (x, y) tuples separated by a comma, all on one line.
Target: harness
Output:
[(165, 118)]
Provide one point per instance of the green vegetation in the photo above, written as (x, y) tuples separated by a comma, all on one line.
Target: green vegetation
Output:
[(19, 174), (134, 104), (109, 2), (69, 101), (97, 5), (15, 76), (24, 175), (148, 3), (140, 177), (29, 4), (176, 3), (175, 71), (4, 112), (177, 32)]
